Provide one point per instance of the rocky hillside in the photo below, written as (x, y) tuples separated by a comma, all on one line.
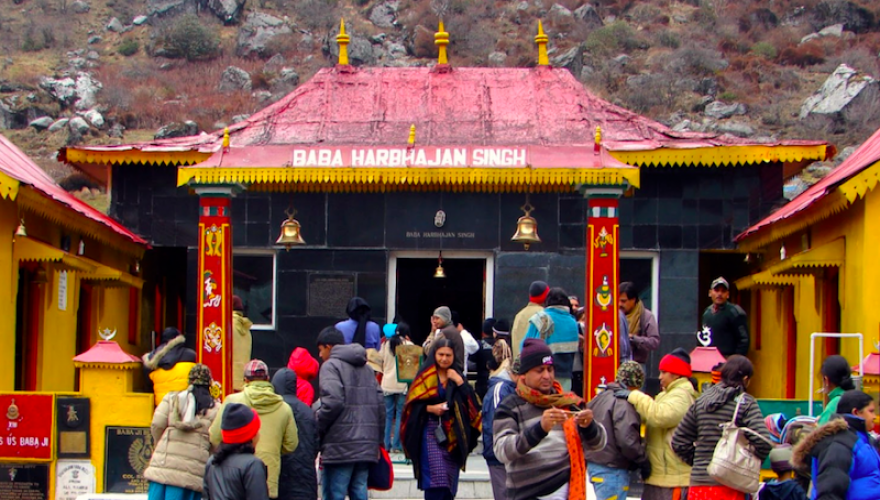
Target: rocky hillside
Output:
[(105, 71)]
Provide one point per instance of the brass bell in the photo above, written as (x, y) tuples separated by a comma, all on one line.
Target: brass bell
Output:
[(290, 233), (20, 230), (526, 228), (439, 272)]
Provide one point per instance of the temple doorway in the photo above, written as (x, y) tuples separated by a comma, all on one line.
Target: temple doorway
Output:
[(414, 292)]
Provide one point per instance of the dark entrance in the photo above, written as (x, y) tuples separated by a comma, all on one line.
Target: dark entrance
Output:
[(419, 293)]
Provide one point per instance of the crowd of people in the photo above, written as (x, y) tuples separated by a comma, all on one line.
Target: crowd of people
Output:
[(540, 439)]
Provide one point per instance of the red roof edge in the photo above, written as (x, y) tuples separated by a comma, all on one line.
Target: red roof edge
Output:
[(107, 352)]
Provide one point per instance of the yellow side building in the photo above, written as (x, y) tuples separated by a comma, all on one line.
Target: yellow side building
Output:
[(814, 264)]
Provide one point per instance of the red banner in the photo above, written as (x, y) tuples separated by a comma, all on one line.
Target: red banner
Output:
[(603, 276), (215, 291), (26, 428)]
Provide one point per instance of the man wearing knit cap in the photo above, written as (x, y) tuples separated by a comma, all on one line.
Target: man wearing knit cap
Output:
[(609, 467), (443, 328), (725, 323), (233, 471), (669, 477), (540, 432), (538, 291), (278, 433)]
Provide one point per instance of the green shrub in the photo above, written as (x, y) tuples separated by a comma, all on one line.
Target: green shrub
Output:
[(669, 39), (128, 47), (189, 39), (613, 38), (765, 50), (727, 96)]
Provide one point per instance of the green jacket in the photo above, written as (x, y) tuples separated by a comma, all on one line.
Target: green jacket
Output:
[(831, 407), (661, 417), (278, 434)]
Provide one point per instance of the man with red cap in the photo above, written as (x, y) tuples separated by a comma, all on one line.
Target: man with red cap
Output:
[(538, 291), (234, 472), (670, 476)]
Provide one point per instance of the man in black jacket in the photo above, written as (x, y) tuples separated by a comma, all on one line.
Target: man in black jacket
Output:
[(724, 323), (298, 479), (351, 418)]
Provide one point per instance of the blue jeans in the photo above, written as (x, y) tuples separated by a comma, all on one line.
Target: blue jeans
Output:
[(609, 483), (393, 413), (349, 479)]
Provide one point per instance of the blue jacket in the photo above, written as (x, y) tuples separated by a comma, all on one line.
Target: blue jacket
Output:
[(499, 388), (349, 326), (563, 341)]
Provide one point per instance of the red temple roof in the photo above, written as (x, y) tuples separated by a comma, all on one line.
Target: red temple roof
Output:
[(704, 358), (106, 352)]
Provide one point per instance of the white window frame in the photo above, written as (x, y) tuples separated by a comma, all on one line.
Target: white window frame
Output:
[(655, 275), (489, 305), (262, 252)]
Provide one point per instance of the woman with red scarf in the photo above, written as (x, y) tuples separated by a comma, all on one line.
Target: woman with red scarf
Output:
[(441, 424)]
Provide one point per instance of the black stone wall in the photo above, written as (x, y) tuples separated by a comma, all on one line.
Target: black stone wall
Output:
[(676, 212)]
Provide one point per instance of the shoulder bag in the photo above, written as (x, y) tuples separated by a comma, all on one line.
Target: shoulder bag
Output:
[(734, 463)]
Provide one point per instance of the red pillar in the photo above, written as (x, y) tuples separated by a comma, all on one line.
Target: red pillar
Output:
[(601, 354), (214, 324)]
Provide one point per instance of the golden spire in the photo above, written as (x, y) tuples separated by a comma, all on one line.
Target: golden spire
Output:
[(441, 39), (541, 39), (597, 146), (226, 137), (412, 135), (342, 39)]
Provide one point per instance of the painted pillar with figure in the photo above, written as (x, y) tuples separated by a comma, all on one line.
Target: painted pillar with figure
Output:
[(601, 352), (214, 323)]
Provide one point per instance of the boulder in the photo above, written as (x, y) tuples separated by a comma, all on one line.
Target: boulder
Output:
[(720, 110), (86, 91), (235, 79), (177, 129), (93, 55), (115, 25), (140, 20), (559, 14), (257, 31), (228, 11), (41, 123), (572, 60), (809, 38), (78, 125), (240, 118), (288, 76), (94, 117), (275, 63), (384, 14), (738, 129), (587, 14), (852, 16), (94, 39), (117, 130), (80, 7), (59, 124), (262, 96), (841, 90), (497, 58), (833, 30), (62, 90), (360, 50), (395, 50), (168, 8)]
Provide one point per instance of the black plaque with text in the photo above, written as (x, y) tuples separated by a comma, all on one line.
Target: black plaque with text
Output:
[(329, 294), (72, 417), (127, 453), (24, 482)]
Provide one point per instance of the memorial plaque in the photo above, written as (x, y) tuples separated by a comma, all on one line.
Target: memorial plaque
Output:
[(24, 482), (72, 417), (74, 478), (27, 431), (127, 452), (329, 294)]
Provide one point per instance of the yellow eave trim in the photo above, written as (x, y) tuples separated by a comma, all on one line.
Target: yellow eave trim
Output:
[(831, 254), (721, 155), (832, 204), (859, 185), (403, 178), (108, 366), (765, 279), (131, 156), (30, 250), (8, 186), (102, 272)]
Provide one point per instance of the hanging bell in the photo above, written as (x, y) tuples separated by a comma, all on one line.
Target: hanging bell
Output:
[(439, 272), (526, 231), (290, 234), (20, 230)]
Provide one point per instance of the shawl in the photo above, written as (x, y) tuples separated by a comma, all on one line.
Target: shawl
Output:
[(462, 422), (577, 489), (634, 318)]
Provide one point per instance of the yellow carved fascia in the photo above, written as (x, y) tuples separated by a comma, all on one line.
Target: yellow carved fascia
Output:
[(765, 279), (720, 155), (107, 366), (832, 204), (832, 254), (378, 178), (859, 185), (8, 186), (173, 158), (35, 202)]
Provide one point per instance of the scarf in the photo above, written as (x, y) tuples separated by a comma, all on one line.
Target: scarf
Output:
[(577, 489), (634, 318), (543, 323), (462, 423)]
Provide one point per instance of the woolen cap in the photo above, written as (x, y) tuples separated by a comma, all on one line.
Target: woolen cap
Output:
[(538, 291), (488, 325), (200, 375), (534, 352), (780, 458), (237, 305), (256, 369), (501, 328), (631, 374), (677, 362), (444, 314), (240, 424)]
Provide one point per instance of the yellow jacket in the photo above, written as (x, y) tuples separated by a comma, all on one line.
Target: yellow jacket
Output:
[(661, 417), (241, 348), (173, 380)]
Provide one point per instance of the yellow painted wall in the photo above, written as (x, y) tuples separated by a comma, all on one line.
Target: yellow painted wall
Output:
[(769, 380), (8, 294), (58, 339)]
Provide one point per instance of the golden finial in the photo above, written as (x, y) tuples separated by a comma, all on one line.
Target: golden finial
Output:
[(598, 138), (412, 135), (226, 137), (441, 39), (541, 39), (342, 39)]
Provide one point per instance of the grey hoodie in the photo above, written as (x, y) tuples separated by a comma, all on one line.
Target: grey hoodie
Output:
[(351, 417)]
